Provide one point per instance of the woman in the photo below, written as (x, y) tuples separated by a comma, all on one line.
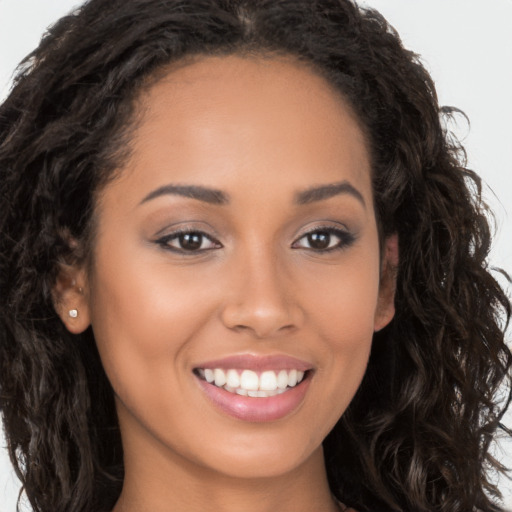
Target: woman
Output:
[(243, 268)]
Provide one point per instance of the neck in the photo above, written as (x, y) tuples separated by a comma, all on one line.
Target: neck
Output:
[(160, 482)]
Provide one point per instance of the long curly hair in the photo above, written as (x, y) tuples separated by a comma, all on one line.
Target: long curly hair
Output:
[(417, 434)]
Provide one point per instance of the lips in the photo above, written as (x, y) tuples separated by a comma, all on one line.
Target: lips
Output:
[(255, 388)]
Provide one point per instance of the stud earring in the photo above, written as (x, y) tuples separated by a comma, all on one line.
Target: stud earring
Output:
[(73, 313)]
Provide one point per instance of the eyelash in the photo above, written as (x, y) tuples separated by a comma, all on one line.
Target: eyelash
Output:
[(345, 240), (165, 241)]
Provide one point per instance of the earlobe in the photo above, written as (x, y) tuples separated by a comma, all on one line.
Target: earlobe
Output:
[(70, 298), (387, 288)]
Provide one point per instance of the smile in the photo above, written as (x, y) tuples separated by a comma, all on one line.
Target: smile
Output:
[(251, 383)]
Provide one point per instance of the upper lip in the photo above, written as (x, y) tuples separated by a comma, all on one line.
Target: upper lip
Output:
[(258, 362)]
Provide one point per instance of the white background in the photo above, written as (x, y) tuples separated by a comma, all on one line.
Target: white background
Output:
[(465, 44)]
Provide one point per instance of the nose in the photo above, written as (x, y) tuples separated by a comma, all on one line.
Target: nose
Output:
[(260, 298)]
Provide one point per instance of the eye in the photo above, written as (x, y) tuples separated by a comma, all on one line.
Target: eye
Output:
[(324, 239), (188, 241)]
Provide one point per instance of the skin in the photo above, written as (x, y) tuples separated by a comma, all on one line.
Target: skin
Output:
[(261, 131)]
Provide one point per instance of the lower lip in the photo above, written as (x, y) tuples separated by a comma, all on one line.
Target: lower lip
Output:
[(259, 409)]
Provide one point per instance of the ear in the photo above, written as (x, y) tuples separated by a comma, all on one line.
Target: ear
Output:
[(70, 298), (387, 288)]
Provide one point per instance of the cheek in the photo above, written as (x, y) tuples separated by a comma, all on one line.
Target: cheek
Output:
[(342, 313), (344, 301), (143, 316)]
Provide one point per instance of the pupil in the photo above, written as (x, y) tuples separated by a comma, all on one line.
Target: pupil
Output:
[(319, 240), (191, 241)]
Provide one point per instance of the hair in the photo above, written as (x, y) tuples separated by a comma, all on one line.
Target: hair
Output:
[(417, 434)]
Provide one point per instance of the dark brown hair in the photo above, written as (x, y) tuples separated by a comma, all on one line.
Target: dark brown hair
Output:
[(417, 434)]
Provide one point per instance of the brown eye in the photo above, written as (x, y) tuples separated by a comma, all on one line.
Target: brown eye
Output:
[(324, 240), (188, 241), (319, 240)]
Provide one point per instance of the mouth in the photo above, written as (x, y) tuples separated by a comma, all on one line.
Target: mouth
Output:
[(251, 383), (255, 388)]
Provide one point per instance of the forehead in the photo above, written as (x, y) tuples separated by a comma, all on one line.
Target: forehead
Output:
[(220, 118)]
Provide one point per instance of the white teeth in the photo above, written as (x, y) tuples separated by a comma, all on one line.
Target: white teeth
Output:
[(292, 378), (268, 381), (220, 377), (249, 380), (232, 379), (249, 383), (282, 379)]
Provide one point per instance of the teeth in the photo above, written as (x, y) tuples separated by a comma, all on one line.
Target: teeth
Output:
[(249, 380), (232, 379), (249, 383), (268, 381), (282, 379), (220, 377)]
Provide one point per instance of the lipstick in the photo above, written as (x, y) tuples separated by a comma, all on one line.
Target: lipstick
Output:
[(255, 388)]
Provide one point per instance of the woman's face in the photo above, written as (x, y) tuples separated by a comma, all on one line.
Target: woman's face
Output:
[(238, 244)]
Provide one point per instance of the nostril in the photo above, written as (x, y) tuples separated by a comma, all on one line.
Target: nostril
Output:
[(261, 321)]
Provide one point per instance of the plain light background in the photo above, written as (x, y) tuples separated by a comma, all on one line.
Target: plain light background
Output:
[(467, 47)]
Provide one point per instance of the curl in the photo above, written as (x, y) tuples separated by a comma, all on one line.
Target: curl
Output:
[(417, 434)]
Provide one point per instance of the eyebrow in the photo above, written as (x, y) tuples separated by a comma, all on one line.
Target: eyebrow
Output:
[(208, 195), (217, 197), (322, 192)]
